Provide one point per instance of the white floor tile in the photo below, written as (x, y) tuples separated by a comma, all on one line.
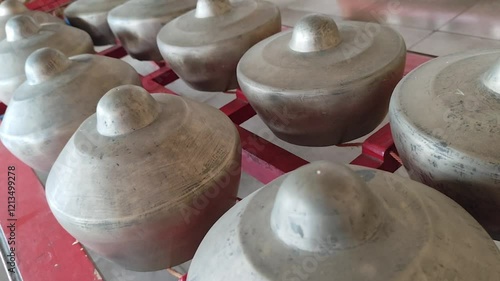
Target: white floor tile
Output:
[(113, 272), (341, 8), (481, 20), (443, 43), (215, 99), (424, 14), (102, 48), (331, 153), (411, 35), (248, 185), (142, 67)]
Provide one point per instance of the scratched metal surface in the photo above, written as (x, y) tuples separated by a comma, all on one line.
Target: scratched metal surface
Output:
[(417, 38)]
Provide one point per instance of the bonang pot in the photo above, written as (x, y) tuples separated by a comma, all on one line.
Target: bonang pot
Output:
[(59, 94), (137, 22), (11, 8), (327, 221), (24, 36), (322, 83), (143, 180), (92, 16), (445, 118), (204, 46)]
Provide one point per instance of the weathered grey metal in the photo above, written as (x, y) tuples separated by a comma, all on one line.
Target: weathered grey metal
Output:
[(24, 36), (322, 83), (445, 120), (92, 16), (143, 180), (349, 223), (137, 22), (11, 8), (59, 94), (204, 46)]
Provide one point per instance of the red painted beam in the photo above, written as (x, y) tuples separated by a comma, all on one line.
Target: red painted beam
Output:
[(376, 151), (414, 60), (240, 95), (163, 76), (264, 160), (116, 52), (238, 111), (155, 82), (43, 249)]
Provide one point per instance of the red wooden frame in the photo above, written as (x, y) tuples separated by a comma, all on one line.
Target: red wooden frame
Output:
[(46, 252), (46, 5)]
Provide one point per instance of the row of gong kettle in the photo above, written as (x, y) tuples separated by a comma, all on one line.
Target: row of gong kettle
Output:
[(208, 48), (147, 180)]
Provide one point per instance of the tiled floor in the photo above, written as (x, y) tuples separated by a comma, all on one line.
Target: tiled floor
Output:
[(480, 20), (435, 27), (443, 43)]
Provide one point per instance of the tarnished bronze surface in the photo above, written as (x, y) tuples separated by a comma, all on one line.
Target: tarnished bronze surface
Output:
[(322, 83), (204, 46), (445, 118), (24, 36), (143, 180), (11, 8), (327, 221), (59, 94), (92, 16), (137, 22)]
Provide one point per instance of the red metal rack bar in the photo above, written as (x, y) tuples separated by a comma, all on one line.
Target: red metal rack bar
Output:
[(378, 150), (44, 251)]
